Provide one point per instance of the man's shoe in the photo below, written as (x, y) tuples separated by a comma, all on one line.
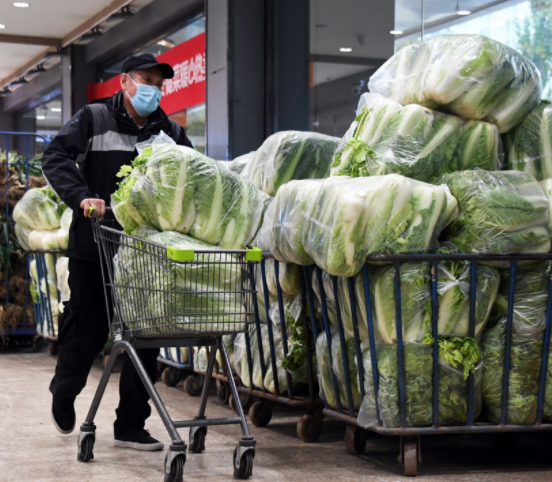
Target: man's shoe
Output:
[(63, 414), (138, 439)]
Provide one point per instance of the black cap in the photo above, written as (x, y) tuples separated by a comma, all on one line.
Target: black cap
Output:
[(147, 61)]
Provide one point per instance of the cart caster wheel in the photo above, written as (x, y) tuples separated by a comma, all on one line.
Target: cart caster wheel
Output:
[(86, 448), (309, 426), (171, 376), (53, 348), (260, 413), (246, 401), (505, 441), (38, 344), (193, 385), (355, 440), (410, 455), (197, 439), (223, 392), (176, 473), (245, 468)]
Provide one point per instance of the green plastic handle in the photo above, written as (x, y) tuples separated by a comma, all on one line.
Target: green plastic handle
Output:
[(179, 255), (254, 254)]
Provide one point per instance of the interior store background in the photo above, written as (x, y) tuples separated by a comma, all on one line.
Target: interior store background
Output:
[(248, 68)]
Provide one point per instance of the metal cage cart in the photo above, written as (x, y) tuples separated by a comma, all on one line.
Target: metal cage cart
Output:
[(174, 297), (45, 295), (174, 361), (260, 401), (410, 447)]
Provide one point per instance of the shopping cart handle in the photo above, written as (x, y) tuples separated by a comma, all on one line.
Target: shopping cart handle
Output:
[(254, 255), (92, 211)]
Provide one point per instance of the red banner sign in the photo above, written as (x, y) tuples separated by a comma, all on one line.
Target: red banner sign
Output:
[(184, 90)]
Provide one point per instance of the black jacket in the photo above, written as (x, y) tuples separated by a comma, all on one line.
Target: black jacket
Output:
[(84, 158)]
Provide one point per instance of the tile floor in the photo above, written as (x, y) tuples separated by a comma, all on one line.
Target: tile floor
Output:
[(32, 450)]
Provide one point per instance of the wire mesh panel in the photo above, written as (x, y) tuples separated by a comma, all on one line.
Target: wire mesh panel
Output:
[(161, 292)]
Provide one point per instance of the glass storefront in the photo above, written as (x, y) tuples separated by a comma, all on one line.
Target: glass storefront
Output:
[(348, 46)]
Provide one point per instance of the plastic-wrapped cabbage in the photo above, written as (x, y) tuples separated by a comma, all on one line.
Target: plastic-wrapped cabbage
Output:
[(22, 234), (62, 274), (458, 357), (529, 144), (530, 298), (326, 369), (337, 222), (523, 384), (547, 188), (228, 341), (468, 75), (238, 164), (290, 155), (66, 220), (168, 295), (39, 209), (499, 213), (241, 361), (175, 188), (44, 290), (414, 141), (547, 407)]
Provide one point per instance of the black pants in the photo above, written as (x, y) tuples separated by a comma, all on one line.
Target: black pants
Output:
[(83, 332)]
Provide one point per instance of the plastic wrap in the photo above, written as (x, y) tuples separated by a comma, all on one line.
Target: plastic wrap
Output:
[(209, 290), (175, 188), (503, 212), (468, 75), (66, 220), (44, 290), (241, 364), (547, 188), (290, 155), (55, 239), (62, 274), (530, 298), (39, 209), (523, 383), (228, 341), (338, 221), (414, 141), (174, 352), (238, 164)]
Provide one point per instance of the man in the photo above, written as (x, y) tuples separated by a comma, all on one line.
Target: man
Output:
[(101, 138)]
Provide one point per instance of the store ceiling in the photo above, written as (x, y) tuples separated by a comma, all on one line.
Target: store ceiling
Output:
[(49, 22)]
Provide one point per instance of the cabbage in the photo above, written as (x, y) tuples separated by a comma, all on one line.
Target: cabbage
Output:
[(175, 188), (39, 209), (499, 213), (338, 221), (62, 274), (290, 155), (529, 145), (239, 163), (471, 76), (414, 141)]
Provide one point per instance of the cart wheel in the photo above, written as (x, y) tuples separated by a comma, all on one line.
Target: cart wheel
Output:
[(177, 469), (223, 391), (53, 348), (260, 413), (355, 440), (245, 470), (246, 401), (309, 426), (197, 439), (193, 385), (86, 448), (505, 441), (171, 376), (38, 343)]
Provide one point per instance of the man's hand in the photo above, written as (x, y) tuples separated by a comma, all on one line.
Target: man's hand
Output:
[(97, 204)]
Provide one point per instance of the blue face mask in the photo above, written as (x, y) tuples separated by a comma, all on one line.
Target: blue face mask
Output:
[(146, 99)]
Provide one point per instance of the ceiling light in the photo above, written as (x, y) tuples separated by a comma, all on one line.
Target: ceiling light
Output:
[(396, 32), (40, 117), (55, 109), (4, 92), (461, 13), (20, 4), (125, 13), (2, 26), (20, 81), (345, 49), (166, 43)]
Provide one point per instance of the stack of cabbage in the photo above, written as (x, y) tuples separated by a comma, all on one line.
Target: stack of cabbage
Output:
[(175, 188), (467, 75), (414, 141), (175, 297), (42, 223), (290, 155), (336, 222)]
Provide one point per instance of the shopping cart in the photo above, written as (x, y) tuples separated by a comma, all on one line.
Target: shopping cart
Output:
[(167, 297)]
